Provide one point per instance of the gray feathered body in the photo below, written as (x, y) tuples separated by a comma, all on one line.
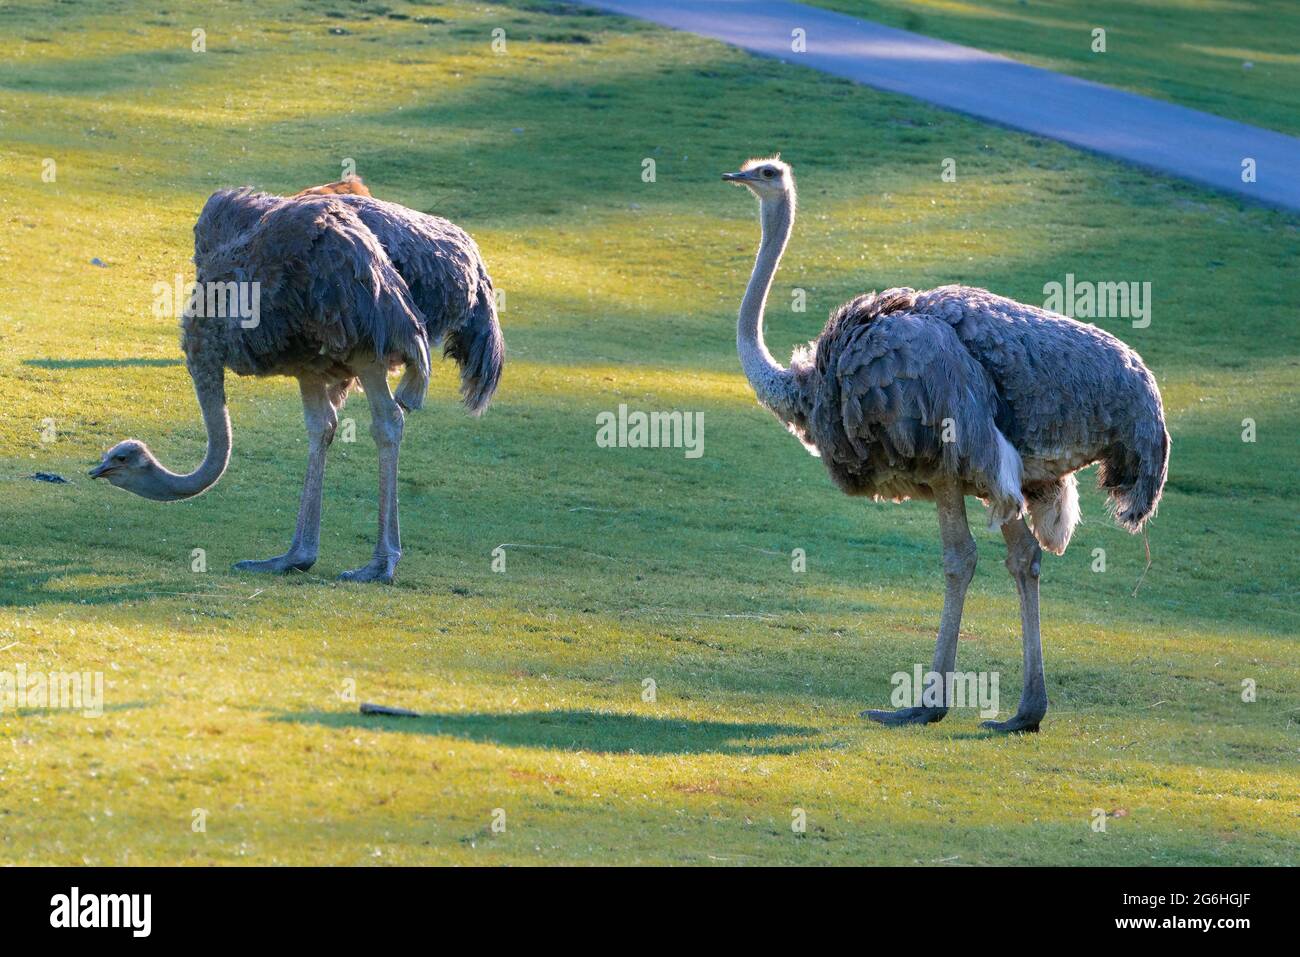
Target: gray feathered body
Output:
[(904, 387), (343, 277)]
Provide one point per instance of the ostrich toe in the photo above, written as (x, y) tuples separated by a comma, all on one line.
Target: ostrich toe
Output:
[(280, 564), (906, 716)]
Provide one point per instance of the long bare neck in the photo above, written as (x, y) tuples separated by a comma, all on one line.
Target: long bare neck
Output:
[(772, 383), (209, 386)]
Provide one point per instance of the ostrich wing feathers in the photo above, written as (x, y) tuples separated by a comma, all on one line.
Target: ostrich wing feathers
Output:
[(901, 403), (327, 286), (444, 271)]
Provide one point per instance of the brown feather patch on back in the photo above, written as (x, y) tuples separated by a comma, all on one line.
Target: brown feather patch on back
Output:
[(350, 185)]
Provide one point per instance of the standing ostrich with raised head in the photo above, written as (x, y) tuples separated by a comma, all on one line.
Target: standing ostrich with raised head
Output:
[(351, 288), (955, 392)]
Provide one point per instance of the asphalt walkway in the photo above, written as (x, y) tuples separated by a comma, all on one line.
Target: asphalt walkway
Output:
[(1161, 136)]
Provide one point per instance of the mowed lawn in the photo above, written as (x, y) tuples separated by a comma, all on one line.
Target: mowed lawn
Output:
[(233, 699), (1236, 58)]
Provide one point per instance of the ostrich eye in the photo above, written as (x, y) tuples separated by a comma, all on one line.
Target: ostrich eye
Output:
[(768, 172), (120, 457)]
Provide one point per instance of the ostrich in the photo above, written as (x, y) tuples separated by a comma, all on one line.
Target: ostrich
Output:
[(954, 392), (351, 287)]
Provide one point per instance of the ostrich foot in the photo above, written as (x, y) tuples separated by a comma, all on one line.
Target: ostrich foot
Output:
[(380, 569), (906, 716), (288, 562), (1021, 723)]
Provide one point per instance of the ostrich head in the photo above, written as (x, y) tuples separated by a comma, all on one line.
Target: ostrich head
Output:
[(131, 466), (767, 179)]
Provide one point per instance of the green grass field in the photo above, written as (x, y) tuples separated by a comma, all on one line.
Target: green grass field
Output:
[(238, 695), (1236, 58)]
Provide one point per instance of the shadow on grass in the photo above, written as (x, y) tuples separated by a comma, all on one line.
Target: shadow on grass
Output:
[(101, 363), (580, 730), (44, 586), (53, 712)]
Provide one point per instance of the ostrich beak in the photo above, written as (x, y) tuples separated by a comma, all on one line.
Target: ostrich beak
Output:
[(98, 471), (735, 177)]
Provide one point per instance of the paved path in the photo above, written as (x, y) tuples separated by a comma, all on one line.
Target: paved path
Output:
[(1198, 146)]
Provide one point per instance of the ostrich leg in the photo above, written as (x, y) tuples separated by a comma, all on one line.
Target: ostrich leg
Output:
[(386, 421), (959, 555), (321, 421), (1023, 558)]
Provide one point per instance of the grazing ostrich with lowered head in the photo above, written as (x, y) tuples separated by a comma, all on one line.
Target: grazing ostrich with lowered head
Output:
[(955, 392), (350, 288)]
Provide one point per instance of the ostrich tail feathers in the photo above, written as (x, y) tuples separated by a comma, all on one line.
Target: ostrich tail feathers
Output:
[(480, 350), (1134, 475)]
